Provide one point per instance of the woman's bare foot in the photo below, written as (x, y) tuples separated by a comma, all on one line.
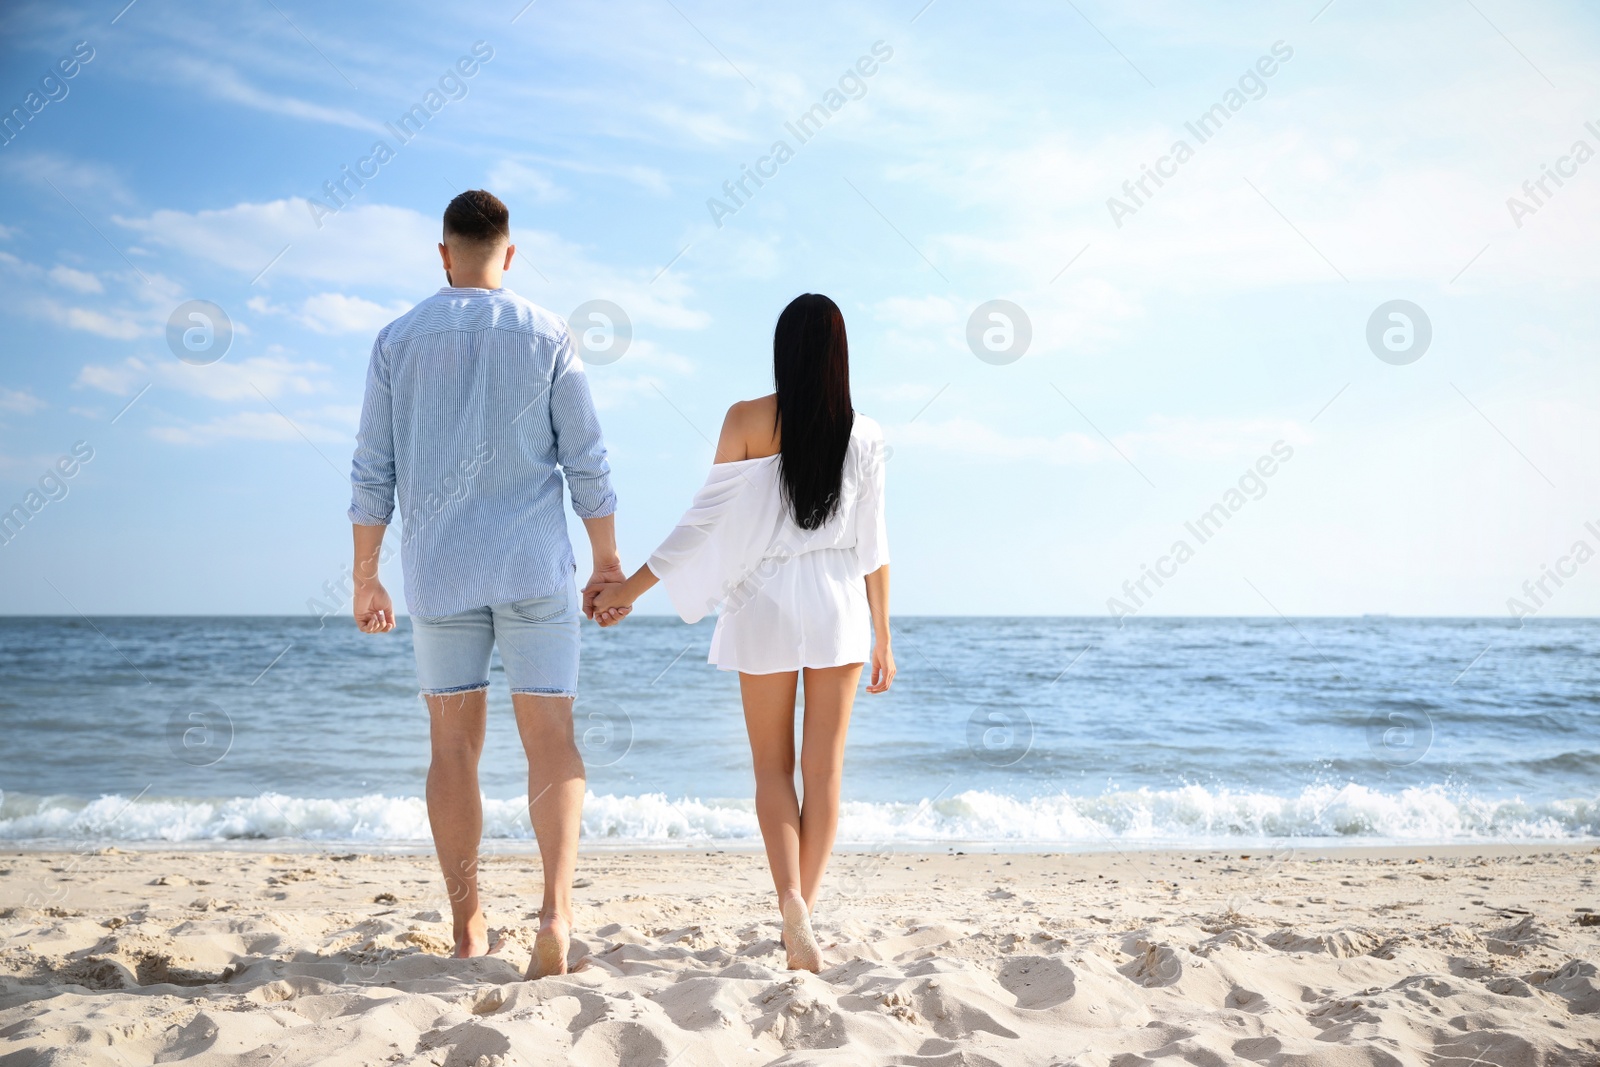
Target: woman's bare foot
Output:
[(550, 948), (473, 938), (798, 939)]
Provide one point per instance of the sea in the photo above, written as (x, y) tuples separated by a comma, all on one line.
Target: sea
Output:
[(1006, 733)]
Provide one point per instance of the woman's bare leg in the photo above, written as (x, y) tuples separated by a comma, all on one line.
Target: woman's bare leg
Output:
[(769, 719), (830, 694)]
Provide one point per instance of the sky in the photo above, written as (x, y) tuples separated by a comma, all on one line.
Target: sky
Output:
[(1197, 342)]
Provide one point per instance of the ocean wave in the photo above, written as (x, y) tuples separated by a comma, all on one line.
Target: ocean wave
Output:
[(1192, 815)]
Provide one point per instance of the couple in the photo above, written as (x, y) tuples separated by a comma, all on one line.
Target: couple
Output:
[(476, 406)]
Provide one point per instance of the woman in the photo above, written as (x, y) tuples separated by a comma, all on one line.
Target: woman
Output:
[(787, 536)]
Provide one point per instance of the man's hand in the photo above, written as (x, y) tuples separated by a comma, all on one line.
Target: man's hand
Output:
[(611, 604), (604, 574), (373, 609)]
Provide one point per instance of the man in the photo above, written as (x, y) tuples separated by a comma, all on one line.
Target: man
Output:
[(474, 399)]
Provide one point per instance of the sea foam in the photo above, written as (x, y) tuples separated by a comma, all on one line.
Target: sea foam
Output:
[(1191, 815)]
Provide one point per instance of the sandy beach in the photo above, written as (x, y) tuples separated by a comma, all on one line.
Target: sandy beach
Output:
[(1428, 957)]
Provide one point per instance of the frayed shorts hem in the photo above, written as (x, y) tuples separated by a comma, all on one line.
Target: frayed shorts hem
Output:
[(546, 693), (454, 690)]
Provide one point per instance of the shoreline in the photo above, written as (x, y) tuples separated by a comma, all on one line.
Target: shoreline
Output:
[(1308, 849)]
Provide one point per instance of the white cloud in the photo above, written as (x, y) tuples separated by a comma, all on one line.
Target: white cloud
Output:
[(509, 178), (117, 325), (1180, 438), (74, 179), (1078, 317), (1195, 438), (617, 385), (329, 425), (614, 391), (649, 179), (146, 303), (245, 380), (918, 313), (121, 379), (384, 249), (153, 298), (700, 125), (644, 353), (336, 312), (224, 82), (749, 256), (1346, 168), (21, 401), (645, 177), (77, 280), (912, 395), (27, 467), (975, 439)]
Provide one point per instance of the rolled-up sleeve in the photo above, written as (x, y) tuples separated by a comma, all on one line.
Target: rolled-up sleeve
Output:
[(579, 447), (372, 469)]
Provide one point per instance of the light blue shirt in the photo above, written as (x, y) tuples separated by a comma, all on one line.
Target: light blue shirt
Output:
[(476, 405)]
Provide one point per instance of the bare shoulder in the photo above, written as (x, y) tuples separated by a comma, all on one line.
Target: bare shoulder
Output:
[(762, 408), (750, 430)]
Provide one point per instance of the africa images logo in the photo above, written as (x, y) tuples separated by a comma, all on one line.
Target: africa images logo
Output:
[(52, 486), (53, 88), (852, 85)]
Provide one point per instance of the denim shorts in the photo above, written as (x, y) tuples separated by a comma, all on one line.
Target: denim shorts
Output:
[(537, 638)]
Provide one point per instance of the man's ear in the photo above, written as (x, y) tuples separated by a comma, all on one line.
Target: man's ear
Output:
[(511, 250), (444, 256)]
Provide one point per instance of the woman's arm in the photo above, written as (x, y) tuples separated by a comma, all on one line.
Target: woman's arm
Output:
[(615, 601), (746, 429), (882, 657)]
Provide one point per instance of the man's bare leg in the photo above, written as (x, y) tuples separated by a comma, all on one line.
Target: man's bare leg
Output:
[(555, 806), (455, 809)]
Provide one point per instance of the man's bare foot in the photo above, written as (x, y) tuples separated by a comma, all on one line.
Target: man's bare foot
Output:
[(473, 939), (550, 948), (798, 939)]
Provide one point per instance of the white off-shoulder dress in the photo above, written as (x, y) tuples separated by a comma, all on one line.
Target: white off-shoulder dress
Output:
[(788, 597)]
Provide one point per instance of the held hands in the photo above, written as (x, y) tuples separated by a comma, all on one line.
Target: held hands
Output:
[(611, 604), (604, 574), (373, 609), (605, 582), (610, 596)]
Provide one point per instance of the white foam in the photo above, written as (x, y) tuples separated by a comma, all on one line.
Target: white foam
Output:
[(1146, 817)]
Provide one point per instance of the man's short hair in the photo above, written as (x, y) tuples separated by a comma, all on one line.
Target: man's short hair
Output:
[(478, 217)]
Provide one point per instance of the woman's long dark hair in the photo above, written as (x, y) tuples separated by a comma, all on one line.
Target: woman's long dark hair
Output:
[(811, 369)]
